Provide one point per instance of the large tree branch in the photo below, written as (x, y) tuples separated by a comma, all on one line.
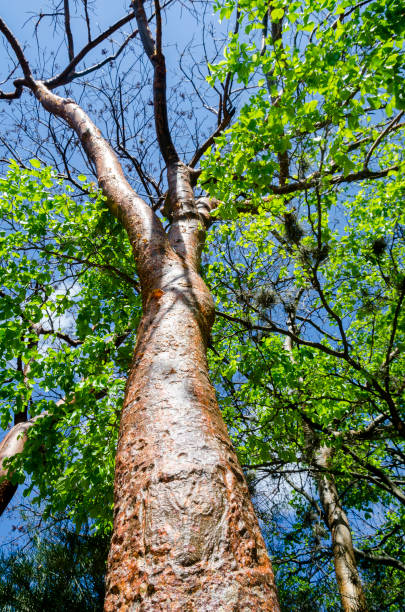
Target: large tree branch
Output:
[(15, 45), (334, 180), (381, 136), (187, 231), (273, 328), (12, 445), (69, 73), (380, 474), (145, 231), (379, 559), (313, 181)]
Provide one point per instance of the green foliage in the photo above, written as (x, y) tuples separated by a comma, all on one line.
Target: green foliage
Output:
[(69, 307), (307, 260), (60, 571), (325, 90)]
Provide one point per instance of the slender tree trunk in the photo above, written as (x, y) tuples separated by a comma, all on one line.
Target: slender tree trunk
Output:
[(347, 575)]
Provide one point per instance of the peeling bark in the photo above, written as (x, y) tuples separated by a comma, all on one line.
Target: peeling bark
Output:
[(185, 533)]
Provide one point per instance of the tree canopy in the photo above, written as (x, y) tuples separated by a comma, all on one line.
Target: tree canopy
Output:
[(305, 260)]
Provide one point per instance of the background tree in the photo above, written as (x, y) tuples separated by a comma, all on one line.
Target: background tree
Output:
[(322, 263), (58, 567)]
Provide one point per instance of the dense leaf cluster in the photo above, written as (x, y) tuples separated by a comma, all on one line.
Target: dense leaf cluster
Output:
[(69, 305)]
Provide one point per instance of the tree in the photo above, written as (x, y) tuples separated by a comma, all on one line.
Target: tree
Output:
[(333, 291), (183, 520), (58, 567), (325, 116)]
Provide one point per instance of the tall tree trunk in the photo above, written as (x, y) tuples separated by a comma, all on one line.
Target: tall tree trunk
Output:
[(185, 533), (347, 575)]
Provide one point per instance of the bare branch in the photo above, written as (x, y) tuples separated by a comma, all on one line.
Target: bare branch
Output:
[(64, 76), (87, 18), (157, 60), (106, 60), (210, 141), (380, 474), (15, 45), (69, 36), (380, 138)]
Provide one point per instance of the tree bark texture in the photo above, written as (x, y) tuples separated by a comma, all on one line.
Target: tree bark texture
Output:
[(185, 534), (347, 575), (12, 444)]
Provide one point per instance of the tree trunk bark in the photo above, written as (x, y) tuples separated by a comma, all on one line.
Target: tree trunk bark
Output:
[(185, 534), (12, 444), (347, 575)]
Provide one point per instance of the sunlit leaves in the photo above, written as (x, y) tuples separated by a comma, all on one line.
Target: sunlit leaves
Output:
[(69, 309), (337, 71), (310, 286)]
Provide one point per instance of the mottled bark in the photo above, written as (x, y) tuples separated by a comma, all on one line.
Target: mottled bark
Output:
[(185, 533), (347, 575)]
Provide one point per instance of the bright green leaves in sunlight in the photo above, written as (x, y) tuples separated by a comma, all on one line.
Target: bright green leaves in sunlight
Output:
[(327, 76), (69, 308), (307, 262)]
